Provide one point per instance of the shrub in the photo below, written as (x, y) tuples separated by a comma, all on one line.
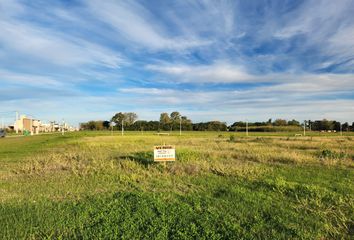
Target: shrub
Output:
[(328, 154), (232, 138)]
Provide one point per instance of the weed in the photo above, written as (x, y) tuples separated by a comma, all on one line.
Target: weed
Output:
[(328, 154), (232, 138)]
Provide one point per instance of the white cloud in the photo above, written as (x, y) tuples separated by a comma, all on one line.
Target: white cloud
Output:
[(216, 73), (148, 91), (227, 73), (28, 79), (53, 47), (134, 23), (327, 26), (315, 17), (28, 40)]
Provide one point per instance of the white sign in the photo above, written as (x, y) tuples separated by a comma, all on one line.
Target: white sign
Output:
[(164, 153)]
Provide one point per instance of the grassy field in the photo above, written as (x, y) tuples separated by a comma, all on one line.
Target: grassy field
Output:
[(90, 185)]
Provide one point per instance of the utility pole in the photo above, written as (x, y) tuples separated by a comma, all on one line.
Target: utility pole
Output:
[(246, 127), (16, 122), (122, 127), (2, 122), (180, 126), (341, 132), (304, 127)]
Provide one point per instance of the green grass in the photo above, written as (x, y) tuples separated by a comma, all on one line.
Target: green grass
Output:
[(89, 185)]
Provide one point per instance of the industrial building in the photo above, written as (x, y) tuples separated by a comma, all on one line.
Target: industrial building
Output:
[(35, 126)]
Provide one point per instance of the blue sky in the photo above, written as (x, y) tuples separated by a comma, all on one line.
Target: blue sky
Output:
[(210, 60)]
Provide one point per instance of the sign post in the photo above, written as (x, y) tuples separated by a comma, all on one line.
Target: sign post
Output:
[(165, 153)]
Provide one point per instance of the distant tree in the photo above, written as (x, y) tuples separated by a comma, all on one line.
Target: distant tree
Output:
[(127, 118), (210, 126), (83, 126), (217, 126), (280, 122), (175, 118), (258, 124), (92, 125), (130, 118), (327, 125), (236, 125), (144, 126), (118, 118), (324, 124), (106, 124), (293, 123), (186, 124), (345, 126), (165, 121), (310, 124), (336, 125)]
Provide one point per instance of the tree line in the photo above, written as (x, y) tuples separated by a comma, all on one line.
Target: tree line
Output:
[(174, 121)]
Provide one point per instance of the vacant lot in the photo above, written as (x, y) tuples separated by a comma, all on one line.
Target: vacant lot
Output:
[(92, 185)]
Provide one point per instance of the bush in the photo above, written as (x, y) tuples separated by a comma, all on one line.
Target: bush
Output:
[(327, 154), (232, 138)]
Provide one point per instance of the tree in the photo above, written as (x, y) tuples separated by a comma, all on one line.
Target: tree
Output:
[(345, 126), (324, 124), (118, 118), (92, 125), (175, 117), (293, 123), (106, 124), (210, 126), (165, 121), (144, 126), (127, 118), (130, 118), (327, 125), (336, 125), (280, 122), (186, 123), (236, 125)]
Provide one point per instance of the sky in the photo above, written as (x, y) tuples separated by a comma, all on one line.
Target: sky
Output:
[(209, 60)]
